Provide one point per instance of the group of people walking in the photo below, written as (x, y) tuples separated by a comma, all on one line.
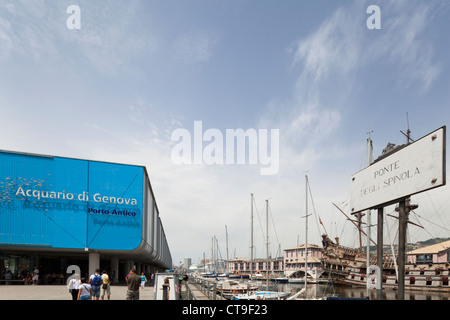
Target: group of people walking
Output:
[(99, 285)]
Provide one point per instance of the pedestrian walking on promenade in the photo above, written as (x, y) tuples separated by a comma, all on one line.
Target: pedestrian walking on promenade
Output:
[(106, 286), (133, 283), (35, 276), (152, 279), (95, 281), (143, 280), (74, 286), (85, 290)]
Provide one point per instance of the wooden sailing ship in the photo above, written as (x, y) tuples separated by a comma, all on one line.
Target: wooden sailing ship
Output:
[(424, 269), (427, 268)]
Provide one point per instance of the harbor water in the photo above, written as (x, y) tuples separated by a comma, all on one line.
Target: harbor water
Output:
[(327, 290)]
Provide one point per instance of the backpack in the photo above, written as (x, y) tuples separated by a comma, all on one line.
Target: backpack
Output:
[(96, 280)]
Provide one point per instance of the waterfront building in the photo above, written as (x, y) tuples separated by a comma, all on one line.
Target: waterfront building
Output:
[(294, 261), (259, 266), (428, 267), (436, 253), (58, 212)]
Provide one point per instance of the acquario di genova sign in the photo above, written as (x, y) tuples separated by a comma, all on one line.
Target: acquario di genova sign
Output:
[(84, 197)]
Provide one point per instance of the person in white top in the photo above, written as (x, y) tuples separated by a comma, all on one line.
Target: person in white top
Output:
[(35, 276), (85, 290), (74, 286)]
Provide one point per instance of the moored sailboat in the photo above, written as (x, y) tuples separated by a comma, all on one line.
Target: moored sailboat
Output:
[(262, 294)]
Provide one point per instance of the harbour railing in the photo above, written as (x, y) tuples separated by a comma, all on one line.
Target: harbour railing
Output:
[(207, 287)]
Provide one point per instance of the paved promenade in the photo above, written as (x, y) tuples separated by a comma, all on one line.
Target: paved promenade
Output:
[(60, 292)]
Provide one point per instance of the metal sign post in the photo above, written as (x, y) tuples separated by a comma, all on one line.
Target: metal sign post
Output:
[(402, 220), (392, 178), (380, 251)]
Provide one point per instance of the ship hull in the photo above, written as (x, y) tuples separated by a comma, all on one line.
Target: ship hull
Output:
[(347, 266)]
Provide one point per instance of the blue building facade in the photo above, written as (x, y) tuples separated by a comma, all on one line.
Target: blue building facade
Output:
[(100, 210)]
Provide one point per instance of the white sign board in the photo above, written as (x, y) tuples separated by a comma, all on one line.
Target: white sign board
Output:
[(415, 168), (172, 289)]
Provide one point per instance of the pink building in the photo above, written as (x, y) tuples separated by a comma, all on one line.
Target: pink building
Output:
[(294, 261), (436, 253)]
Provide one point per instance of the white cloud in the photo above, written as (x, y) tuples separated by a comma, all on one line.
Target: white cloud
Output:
[(333, 47), (7, 46), (406, 44), (328, 62), (343, 44), (330, 58), (195, 47), (26, 31), (110, 38), (137, 111)]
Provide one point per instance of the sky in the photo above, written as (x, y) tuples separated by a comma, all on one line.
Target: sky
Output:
[(115, 80)]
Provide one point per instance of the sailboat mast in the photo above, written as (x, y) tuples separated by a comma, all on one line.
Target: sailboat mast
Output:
[(226, 239), (359, 216), (251, 235), (212, 255), (267, 243), (369, 161), (306, 229), (354, 223)]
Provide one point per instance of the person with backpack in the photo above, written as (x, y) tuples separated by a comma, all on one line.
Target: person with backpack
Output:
[(95, 281)]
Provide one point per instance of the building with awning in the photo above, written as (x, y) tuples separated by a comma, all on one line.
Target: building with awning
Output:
[(436, 253), (57, 212)]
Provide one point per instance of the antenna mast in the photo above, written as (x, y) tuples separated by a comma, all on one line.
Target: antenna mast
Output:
[(408, 132)]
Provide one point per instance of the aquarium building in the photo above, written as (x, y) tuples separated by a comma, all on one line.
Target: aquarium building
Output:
[(58, 212)]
